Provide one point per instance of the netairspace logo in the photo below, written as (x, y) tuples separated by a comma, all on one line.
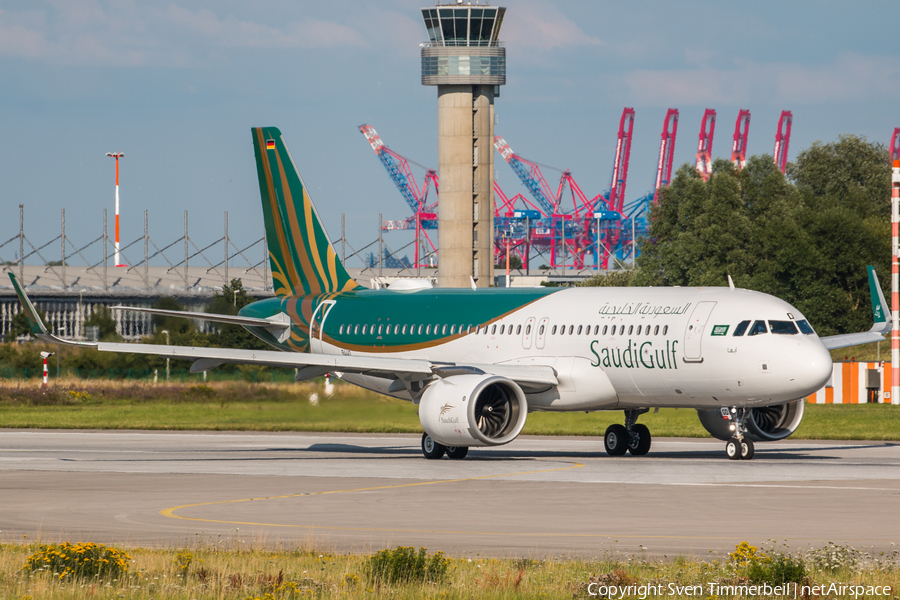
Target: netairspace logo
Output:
[(785, 590)]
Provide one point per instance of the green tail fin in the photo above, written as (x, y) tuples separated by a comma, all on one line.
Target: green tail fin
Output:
[(302, 258), (880, 308)]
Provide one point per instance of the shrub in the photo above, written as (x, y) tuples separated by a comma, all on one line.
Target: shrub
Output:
[(79, 560), (404, 565), (779, 568)]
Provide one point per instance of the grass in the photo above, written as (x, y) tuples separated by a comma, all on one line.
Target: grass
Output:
[(76, 404), (226, 573)]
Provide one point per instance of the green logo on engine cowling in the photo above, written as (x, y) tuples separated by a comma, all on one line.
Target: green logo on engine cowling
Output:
[(636, 355)]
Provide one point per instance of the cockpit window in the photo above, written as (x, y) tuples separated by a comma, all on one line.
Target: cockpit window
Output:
[(741, 329), (783, 327), (805, 327), (758, 328)]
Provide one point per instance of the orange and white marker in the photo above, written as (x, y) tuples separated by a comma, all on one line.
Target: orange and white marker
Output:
[(117, 156), (895, 284)]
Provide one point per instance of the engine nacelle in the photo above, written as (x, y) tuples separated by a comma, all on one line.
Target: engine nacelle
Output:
[(766, 423), (473, 410)]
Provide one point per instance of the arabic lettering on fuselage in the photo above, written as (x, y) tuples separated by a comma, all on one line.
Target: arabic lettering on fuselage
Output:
[(641, 308)]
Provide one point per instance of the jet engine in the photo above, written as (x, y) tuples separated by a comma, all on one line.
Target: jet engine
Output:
[(473, 410), (766, 423)]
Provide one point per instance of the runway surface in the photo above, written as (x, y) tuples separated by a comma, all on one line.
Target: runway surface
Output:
[(538, 496)]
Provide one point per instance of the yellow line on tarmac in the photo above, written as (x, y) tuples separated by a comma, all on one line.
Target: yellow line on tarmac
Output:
[(170, 512)]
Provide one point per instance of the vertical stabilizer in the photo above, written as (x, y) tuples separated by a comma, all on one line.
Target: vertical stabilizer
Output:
[(302, 258)]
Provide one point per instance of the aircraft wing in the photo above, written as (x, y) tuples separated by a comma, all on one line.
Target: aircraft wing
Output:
[(880, 312), (310, 365)]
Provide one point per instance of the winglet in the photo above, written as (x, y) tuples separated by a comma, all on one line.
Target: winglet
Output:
[(880, 310), (37, 327), (35, 324)]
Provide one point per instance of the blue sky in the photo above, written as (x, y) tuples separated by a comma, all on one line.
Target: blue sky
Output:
[(177, 85)]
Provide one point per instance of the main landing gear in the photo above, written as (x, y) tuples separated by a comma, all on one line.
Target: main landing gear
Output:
[(739, 447), (434, 450), (632, 437)]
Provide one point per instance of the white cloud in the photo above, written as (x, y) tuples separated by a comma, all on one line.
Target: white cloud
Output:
[(139, 34), (542, 26), (851, 77)]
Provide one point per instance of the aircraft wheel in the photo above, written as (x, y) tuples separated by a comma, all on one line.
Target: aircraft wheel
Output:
[(733, 449), (747, 449), (431, 449), (640, 445), (616, 440), (457, 452)]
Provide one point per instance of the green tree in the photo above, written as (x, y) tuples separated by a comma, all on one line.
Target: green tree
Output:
[(806, 238)]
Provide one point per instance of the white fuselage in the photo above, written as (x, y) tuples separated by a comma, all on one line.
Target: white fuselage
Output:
[(641, 347)]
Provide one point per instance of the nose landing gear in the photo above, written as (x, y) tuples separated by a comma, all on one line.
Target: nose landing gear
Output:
[(631, 437), (739, 447)]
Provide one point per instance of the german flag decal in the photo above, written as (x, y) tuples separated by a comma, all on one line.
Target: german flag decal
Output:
[(270, 144)]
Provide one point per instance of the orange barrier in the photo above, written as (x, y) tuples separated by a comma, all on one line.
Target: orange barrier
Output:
[(848, 384)]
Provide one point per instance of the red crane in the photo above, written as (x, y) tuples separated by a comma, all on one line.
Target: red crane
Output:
[(894, 148), (704, 148), (620, 168), (666, 152), (782, 140), (739, 147)]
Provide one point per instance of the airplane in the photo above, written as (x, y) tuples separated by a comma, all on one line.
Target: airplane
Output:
[(477, 361)]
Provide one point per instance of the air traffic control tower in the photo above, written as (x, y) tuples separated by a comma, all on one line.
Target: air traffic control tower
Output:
[(467, 63)]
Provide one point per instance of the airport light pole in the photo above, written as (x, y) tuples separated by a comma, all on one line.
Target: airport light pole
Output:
[(895, 283), (166, 331), (117, 156)]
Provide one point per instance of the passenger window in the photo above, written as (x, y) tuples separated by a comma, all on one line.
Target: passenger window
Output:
[(528, 330), (510, 330), (630, 329), (579, 330), (452, 329), (758, 328), (396, 329), (639, 330), (553, 332), (502, 327), (404, 330), (605, 329), (805, 327), (541, 331), (428, 330), (364, 329), (571, 329), (468, 329), (665, 329), (656, 330), (493, 329), (783, 327), (444, 330), (485, 330), (741, 329), (596, 329), (518, 329), (380, 329), (355, 329), (341, 330), (420, 329)]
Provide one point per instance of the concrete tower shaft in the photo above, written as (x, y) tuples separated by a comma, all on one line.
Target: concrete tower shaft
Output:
[(467, 63)]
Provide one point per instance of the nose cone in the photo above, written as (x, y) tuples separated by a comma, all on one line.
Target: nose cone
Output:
[(814, 369)]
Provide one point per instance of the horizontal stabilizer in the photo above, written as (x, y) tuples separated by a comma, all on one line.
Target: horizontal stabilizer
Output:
[(281, 322)]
